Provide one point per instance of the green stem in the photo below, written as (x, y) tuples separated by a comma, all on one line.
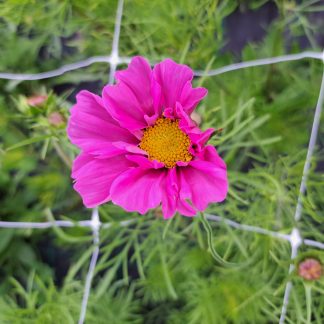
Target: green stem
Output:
[(62, 154), (211, 248), (167, 278), (308, 293)]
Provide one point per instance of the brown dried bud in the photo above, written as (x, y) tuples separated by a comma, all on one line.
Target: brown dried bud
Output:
[(56, 119), (310, 269), (36, 100)]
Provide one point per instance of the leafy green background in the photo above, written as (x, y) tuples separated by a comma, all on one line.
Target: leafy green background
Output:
[(157, 271)]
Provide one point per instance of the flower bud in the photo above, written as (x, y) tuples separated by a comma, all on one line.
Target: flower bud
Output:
[(36, 100), (55, 119), (310, 269)]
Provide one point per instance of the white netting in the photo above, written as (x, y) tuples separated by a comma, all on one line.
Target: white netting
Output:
[(94, 224)]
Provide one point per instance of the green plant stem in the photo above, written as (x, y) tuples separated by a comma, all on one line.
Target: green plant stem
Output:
[(62, 154), (308, 293), (167, 278), (211, 247)]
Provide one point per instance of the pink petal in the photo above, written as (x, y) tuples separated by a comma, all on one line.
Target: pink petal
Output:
[(156, 91), (170, 194), (93, 177), (122, 104), (115, 148), (184, 196), (134, 100), (207, 179), (144, 162), (91, 127), (186, 209), (185, 122), (172, 78), (138, 189), (210, 154), (175, 195), (190, 97), (138, 77), (198, 140), (175, 82)]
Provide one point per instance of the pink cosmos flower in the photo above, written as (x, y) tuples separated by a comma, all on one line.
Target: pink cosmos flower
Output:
[(139, 146)]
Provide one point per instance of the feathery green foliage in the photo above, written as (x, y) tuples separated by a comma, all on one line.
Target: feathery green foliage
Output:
[(157, 271)]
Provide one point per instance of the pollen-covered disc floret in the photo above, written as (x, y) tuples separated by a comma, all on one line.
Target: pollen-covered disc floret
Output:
[(166, 142)]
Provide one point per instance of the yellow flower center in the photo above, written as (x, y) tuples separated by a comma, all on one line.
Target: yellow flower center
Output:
[(166, 142)]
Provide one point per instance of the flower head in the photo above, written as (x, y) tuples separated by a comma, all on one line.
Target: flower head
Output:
[(139, 146)]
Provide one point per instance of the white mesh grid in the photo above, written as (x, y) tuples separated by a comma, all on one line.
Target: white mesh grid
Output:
[(94, 224)]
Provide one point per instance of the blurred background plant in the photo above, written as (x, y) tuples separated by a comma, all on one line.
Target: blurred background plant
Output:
[(157, 271)]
